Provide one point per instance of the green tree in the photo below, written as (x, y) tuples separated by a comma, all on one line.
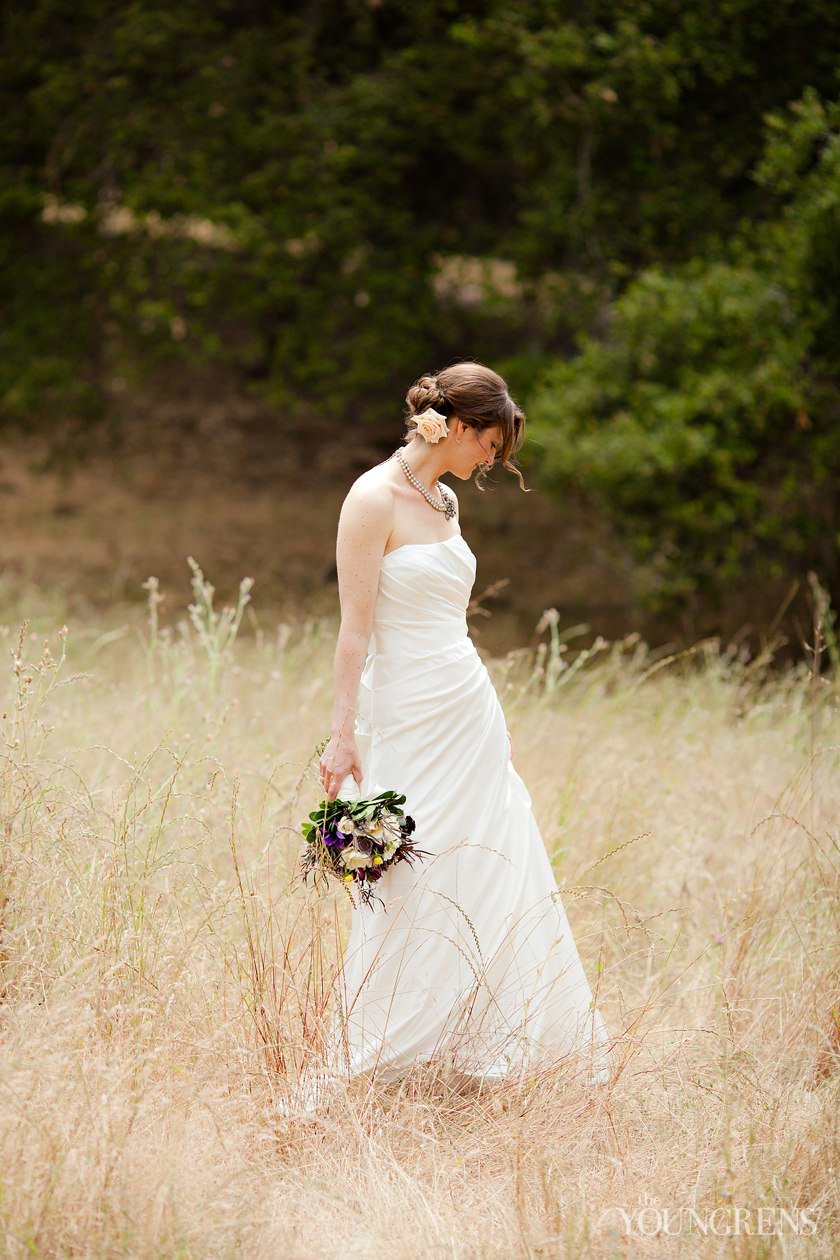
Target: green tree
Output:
[(338, 150), (706, 421)]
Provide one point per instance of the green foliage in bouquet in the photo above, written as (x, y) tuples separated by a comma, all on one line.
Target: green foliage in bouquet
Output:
[(357, 841)]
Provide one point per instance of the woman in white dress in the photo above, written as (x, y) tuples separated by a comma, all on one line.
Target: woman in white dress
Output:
[(468, 959)]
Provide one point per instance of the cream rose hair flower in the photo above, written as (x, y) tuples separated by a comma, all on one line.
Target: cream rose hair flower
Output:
[(431, 425)]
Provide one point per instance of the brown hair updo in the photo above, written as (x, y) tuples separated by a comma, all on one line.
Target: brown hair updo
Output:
[(479, 397)]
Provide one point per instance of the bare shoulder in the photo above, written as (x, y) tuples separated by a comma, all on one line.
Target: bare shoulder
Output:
[(371, 495), (367, 512), (374, 482)]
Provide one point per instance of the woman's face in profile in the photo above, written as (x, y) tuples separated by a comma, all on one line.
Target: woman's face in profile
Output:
[(475, 448)]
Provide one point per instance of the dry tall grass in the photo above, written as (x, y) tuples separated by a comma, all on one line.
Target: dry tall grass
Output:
[(163, 976)]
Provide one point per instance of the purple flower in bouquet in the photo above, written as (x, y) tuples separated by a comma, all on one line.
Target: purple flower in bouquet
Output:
[(358, 841)]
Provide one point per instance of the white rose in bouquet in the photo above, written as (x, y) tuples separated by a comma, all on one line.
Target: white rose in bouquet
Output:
[(353, 858)]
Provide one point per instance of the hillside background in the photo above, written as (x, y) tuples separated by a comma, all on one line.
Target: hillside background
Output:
[(231, 235)]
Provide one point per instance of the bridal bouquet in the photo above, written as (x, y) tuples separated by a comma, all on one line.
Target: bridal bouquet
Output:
[(357, 841)]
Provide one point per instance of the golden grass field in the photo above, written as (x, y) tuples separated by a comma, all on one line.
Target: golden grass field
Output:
[(164, 978)]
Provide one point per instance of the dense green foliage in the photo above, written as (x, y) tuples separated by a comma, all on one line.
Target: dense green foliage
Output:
[(707, 421), (288, 189)]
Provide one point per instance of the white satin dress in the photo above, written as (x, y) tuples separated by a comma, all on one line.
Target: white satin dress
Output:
[(470, 960)]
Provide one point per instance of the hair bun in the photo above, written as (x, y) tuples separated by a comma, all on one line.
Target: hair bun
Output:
[(425, 392), (479, 397)]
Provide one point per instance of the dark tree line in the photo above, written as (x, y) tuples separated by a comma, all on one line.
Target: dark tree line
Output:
[(304, 192)]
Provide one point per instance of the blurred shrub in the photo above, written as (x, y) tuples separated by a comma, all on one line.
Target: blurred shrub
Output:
[(270, 186), (707, 420)]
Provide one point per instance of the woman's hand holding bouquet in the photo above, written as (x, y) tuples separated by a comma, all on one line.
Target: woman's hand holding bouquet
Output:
[(339, 759)]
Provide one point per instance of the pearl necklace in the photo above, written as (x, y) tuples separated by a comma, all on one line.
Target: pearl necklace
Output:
[(447, 506)]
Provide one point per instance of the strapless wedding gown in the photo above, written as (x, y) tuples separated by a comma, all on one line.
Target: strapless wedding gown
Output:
[(470, 958)]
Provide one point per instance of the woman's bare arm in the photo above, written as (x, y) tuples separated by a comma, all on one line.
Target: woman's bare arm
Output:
[(363, 529)]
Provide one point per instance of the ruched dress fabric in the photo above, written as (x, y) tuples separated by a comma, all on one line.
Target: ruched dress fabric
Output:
[(470, 958)]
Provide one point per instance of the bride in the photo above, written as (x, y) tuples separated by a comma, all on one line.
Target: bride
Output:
[(469, 959)]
